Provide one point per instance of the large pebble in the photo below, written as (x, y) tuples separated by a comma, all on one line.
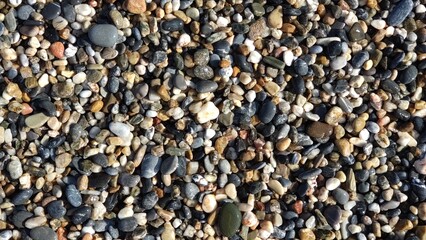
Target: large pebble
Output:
[(229, 219), (208, 112), (150, 166), (400, 12), (104, 35)]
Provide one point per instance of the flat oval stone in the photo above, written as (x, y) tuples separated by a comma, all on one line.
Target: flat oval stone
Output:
[(319, 130), (204, 72), (408, 75), (22, 197), (104, 35), (120, 129), (150, 166), (267, 111), (169, 165), (36, 120), (341, 196), (400, 12), (390, 86), (18, 218), (127, 224), (129, 180), (81, 215), (51, 11), (73, 196), (56, 209), (43, 233), (175, 24), (229, 219), (205, 86)]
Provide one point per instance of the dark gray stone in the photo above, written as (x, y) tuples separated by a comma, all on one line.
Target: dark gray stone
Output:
[(56, 209), (129, 180), (205, 86), (81, 215), (51, 11), (127, 224), (169, 165), (43, 233), (149, 200), (408, 75), (204, 72), (175, 24), (22, 197), (267, 111), (150, 166)]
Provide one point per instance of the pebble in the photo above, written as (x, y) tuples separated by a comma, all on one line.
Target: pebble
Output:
[(73, 196), (104, 35), (208, 112), (209, 203), (15, 169), (135, 6), (267, 111), (229, 219), (43, 233), (150, 166), (51, 11), (205, 86), (399, 12), (56, 209)]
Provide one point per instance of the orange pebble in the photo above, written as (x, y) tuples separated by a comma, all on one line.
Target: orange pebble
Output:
[(57, 49), (27, 109)]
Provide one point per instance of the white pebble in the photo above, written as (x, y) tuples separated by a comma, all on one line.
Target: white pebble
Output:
[(254, 57)]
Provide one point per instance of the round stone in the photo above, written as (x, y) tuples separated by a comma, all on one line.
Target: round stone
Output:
[(150, 166), (229, 219), (104, 35), (51, 11), (43, 233), (209, 203)]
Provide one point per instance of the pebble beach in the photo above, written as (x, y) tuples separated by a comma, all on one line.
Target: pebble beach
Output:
[(212, 119)]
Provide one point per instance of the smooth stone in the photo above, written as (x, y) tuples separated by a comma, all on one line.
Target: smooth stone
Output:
[(56, 209), (334, 48), (209, 203), (274, 62), (301, 67), (127, 224), (341, 196), (135, 6), (241, 62), (150, 166), (333, 215), (51, 11), (24, 12), (390, 86), (172, 25), (179, 82), (338, 63), (208, 112), (73, 196), (267, 111), (81, 215), (311, 173), (191, 190), (100, 159), (99, 180), (204, 72), (15, 169), (359, 59), (22, 197), (222, 48), (129, 180), (408, 75), (10, 21), (399, 12), (36, 120), (104, 35), (159, 57), (319, 130), (169, 165), (356, 33), (149, 200), (201, 57), (18, 218), (43, 233), (229, 219), (332, 183), (205, 86), (122, 130)]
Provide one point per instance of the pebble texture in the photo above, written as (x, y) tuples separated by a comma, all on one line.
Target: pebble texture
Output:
[(240, 120)]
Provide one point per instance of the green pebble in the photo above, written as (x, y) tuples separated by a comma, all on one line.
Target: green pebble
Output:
[(229, 219)]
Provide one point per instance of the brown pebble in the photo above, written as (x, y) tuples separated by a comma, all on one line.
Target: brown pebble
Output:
[(96, 106), (135, 6)]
